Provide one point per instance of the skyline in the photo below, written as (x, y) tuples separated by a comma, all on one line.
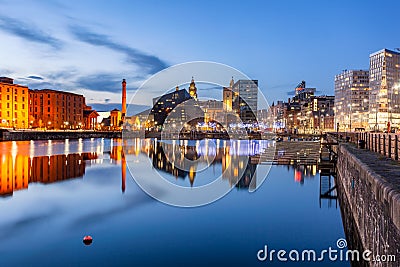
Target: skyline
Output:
[(89, 47)]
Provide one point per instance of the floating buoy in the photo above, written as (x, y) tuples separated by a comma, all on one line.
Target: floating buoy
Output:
[(87, 240)]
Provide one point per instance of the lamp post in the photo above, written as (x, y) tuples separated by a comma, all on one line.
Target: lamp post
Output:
[(349, 105), (351, 111), (376, 118), (364, 112), (395, 91), (322, 123)]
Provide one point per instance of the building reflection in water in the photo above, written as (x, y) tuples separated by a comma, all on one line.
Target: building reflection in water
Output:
[(178, 158), (34, 162), (117, 156), (17, 171), (303, 171), (48, 162)]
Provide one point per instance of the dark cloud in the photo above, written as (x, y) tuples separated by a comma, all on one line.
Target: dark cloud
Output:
[(151, 63), (68, 73), (28, 32), (105, 82), (33, 77), (132, 202), (132, 108), (36, 84), (101, 82), (20, 225), (218, 88), (292, 93)]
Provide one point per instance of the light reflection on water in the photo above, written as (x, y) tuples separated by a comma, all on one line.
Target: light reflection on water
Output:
[(81, 187)]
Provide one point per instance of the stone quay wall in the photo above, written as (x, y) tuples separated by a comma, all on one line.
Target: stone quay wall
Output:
[(371, 185)]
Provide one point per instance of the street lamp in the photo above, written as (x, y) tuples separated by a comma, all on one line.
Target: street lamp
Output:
[(350, 106), (364, 112), (394, 91), (376, 119)]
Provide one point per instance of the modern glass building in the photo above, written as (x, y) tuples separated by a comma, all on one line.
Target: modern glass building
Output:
[(384, 82), (246, 92), (351, 99)]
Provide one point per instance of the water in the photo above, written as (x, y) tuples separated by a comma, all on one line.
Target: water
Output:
[(48, 208)]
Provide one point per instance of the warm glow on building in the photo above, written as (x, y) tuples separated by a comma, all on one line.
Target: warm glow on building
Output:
[(227, 98), (116, 119), (14, 112), (16, 171), (53, 109), (193, 89)]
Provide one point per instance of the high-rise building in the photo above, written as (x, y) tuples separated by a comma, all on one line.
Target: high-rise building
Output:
[(245, 99), (14, 112), (55, 109), (351, 99), (384, 82)]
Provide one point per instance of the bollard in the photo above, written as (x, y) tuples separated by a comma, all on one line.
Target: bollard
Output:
[(361, 144)]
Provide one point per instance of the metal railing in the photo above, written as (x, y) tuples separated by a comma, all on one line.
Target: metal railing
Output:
[(386, 144)]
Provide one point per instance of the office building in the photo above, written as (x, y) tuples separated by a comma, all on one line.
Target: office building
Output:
[(351, 99), (384, 100), (245, 99)]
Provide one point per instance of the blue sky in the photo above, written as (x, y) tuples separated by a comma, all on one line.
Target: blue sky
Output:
[(89, 46)]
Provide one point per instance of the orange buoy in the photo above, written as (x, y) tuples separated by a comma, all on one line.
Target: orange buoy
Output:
[(87, 240)]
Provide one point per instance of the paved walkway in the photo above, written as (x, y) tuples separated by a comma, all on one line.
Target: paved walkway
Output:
[(385, 167)]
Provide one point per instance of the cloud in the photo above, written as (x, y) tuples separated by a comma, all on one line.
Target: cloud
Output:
[(33, 77), (97, 216), (18, 226), (70, 79), (151, 63), (132, 108), (28, 32), (101, 82)]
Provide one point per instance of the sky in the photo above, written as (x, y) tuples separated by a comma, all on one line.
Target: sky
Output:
[(88, 47)]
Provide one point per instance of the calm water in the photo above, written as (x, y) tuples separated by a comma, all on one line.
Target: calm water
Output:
[(56, 192)]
